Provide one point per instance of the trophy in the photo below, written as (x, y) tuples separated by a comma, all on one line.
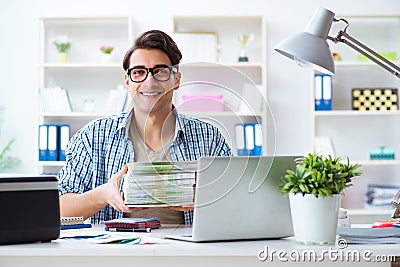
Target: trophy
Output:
[(244, 39)]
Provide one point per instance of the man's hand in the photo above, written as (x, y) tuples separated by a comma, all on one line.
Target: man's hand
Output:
[(112, 192)]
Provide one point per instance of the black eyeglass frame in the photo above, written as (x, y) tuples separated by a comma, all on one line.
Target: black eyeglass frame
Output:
[(173, 69)]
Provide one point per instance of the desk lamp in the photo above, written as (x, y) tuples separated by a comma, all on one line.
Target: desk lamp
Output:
[(310, 49)]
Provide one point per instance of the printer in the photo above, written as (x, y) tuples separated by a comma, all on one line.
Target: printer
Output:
[(30, 209)]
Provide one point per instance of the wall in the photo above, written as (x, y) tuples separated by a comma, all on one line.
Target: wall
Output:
[(288, 85)]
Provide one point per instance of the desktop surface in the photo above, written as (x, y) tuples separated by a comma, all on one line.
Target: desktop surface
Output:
[(177, 253)]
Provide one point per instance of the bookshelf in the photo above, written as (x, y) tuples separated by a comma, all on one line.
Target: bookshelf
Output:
[(84, 75), (224, 75), (354, 132)]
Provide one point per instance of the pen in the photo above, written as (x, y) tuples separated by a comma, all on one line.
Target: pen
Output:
[(147, 230)]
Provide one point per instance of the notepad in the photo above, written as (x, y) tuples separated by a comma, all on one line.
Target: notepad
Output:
[(73, 223), (132, 224)]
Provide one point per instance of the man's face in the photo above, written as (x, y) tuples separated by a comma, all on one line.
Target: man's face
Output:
[(151, 95)]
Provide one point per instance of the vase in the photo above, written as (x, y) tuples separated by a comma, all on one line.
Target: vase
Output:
[(62, 57), (314, 219), (106, 58)]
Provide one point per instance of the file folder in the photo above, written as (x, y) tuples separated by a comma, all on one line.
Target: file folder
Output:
[(249, 140), (240, 140), (52, 133), (258, 140), (43, 150), (64, 132), (249, 132)]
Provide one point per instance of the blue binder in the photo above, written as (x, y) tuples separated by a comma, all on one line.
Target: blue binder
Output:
[(323, 92), (248, 137), (63, 138), (258, 139), (52, 142), (240, 140), (43, 150)]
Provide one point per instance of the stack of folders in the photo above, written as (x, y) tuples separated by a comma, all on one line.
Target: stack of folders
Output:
[(248, 138), (370, 235), (53, 140), (154, 184), (54, 99), (380, 196), (73, 223)]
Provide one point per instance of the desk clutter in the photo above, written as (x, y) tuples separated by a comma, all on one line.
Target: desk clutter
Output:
[(155, 184)]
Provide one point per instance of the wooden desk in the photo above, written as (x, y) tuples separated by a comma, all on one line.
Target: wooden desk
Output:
[(74, 253)]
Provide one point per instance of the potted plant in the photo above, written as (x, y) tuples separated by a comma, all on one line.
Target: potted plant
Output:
[(315, 188), (106, 53), (63, 44)]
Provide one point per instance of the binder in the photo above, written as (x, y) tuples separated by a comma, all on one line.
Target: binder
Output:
[(240, 140), (323, 91), (258, 140), (43, 150), (63, 138), (52, 133), (248, 137)]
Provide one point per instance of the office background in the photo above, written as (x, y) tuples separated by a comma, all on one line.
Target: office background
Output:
[(288, 86)]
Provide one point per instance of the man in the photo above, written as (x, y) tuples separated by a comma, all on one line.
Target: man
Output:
[(90, 183)]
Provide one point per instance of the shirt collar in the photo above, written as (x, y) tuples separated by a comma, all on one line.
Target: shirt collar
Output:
[(179, 124)]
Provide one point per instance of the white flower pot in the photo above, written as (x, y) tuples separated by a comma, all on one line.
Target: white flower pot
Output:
[(314, 219), (106, 58)]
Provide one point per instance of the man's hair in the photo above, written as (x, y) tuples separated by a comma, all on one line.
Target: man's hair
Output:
[(154, 39)]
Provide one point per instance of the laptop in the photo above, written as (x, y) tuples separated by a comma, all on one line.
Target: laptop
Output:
[(236, 198)]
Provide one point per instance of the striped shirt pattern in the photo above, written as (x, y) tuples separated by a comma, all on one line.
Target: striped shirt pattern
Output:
[(102, 148)]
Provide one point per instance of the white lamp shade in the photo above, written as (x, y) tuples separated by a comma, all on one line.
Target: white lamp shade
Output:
[(308, 50)]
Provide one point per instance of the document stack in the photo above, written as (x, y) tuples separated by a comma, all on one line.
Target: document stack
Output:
[(155, 184)]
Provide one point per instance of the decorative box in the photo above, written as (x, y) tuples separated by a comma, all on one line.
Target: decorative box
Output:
[(374, 99)]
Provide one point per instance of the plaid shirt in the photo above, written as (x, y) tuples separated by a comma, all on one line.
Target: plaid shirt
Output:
[(102, 148)]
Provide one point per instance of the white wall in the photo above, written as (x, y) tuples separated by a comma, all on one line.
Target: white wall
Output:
[(288, 85)]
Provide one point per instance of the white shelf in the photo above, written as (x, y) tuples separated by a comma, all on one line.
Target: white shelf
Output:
[(51, 163), (361, 212), (73, 115), (330, 113), (377, 162), (217, 64), (222, 114), (359, 63), (81, 65)]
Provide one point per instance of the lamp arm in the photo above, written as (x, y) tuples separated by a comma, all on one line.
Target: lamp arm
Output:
[(368, 52)]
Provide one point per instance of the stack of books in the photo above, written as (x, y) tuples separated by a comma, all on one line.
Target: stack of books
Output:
[(155, 184)]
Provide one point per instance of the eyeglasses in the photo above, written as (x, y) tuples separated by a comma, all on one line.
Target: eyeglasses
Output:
[(161, 73)]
